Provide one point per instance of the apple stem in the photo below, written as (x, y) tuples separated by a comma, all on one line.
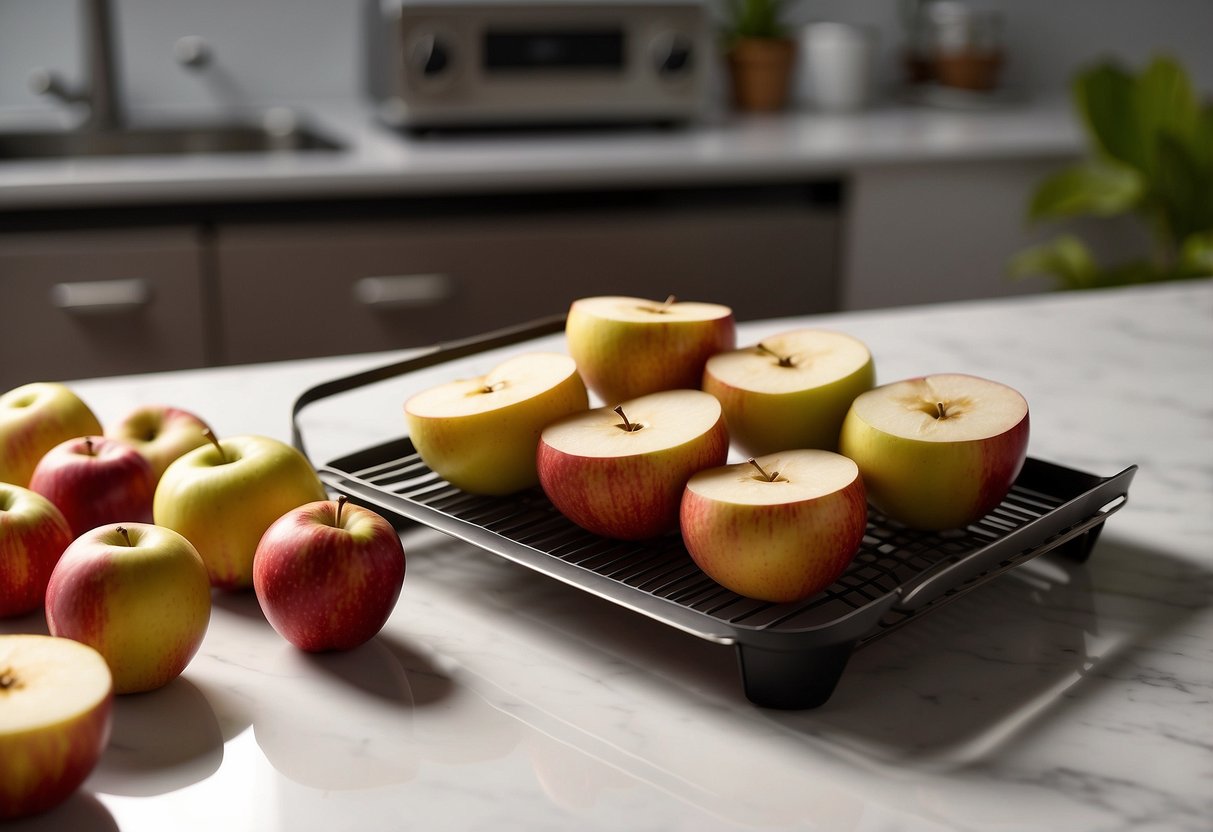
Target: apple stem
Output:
[(941, 410), (341, 501), (88, 446), (784, 360), (8, 679), (662, 307), (214, 441), (125, 535), (768, 477), (627, 426), (492, 388)]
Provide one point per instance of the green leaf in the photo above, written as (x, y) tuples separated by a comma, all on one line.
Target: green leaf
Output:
[(1065, 258), (1104, 98), (1098, 188), (1164, 103), (1196, 255), (1183, 192)]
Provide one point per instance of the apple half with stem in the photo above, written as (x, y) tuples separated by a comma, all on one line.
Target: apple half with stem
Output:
[(94, 480), (480, 434), (33, 535), (223, 496), (780, 527), (628, 347), (328, 574), (160, 433), (35, 418), (619, 472), (791, 390), (56, 713), (136, 593), (940, 451)]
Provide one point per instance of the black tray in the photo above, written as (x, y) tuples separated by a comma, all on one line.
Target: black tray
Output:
[(791, 655)]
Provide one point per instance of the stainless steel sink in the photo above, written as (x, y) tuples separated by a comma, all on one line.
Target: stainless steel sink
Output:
[(161, 141)]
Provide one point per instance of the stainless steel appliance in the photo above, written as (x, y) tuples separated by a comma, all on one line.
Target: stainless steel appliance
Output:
[(474, 63)]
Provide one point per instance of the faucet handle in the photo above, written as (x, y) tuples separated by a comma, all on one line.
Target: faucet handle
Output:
[(46, 82)]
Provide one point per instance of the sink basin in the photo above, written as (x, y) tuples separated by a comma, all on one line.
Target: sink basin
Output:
[(161, 141)]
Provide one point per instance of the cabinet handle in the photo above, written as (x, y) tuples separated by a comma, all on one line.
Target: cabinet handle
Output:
[(102, 297), (403, 291)]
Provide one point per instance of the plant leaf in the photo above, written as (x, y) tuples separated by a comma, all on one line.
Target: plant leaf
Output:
[(1098, 188), (1196, 255), (1104, 97), (1164, 103), (1184, 192), (1065, 258)]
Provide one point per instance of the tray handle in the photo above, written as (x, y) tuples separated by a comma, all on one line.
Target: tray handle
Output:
[(1082, 515), (427, 357)]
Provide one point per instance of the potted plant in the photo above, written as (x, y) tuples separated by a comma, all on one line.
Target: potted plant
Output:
[(1151, 156), (759, 53)]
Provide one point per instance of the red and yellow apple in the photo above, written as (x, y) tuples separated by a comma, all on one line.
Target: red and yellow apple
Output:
[(35, 418), (160, 433), (94, 481), (480, 434), (224, 495), (791, 390), (139, 595), (620, 471), (328, 574), (629, 347), (780, 527), (33, 534), (937, 452), (56, 712)]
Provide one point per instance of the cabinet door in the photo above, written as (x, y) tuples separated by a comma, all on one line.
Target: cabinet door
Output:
[(78, 304), (313, 288)]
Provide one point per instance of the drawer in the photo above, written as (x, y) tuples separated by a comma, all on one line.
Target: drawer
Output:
[(78, 304), (313, 288)]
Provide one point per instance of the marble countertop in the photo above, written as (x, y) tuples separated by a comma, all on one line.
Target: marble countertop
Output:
[(725, 149), (1058, 697)]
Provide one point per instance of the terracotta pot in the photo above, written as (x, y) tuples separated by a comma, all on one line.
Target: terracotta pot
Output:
[(761, 72)]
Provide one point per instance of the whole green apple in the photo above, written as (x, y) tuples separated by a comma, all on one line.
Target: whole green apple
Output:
[(136, 593), (35, 418), (33, 535), (160, 433), (223, 496), (937, 452), (55, 720)]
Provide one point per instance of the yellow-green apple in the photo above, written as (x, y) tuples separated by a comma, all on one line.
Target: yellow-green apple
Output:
[(224, 495), (790, 390), (937, 452), (33, 534), (620, 471), (94, 481), (35, 418), (56, 711), (480, 434), (161, 433), (629, 347), (327, 574), (136, 593), (780, 527)]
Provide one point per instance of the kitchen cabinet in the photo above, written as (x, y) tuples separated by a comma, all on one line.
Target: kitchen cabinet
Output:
[(304, 288), (97, 302)]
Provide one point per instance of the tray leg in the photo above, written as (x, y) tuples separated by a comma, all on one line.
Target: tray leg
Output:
[(794, 679), (1079, 549)]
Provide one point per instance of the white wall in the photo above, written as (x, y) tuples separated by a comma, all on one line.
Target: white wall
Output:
[(278, 51)]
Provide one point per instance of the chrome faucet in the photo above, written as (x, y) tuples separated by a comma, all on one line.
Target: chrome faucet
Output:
[(100, 67)]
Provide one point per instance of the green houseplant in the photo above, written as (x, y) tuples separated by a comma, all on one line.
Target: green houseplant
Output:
[(1151, 143), (759, 53)]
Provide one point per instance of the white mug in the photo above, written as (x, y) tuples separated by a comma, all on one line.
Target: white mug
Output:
[(839, 61)]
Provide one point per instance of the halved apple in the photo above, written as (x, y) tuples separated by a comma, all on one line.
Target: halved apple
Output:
[(780, 528), (56, 699), (480, 434), (628, 347), (937, 452), (620, 472), (791, 390)]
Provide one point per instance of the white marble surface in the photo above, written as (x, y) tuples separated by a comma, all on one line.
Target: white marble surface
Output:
[(727, 148), (1059, 697)]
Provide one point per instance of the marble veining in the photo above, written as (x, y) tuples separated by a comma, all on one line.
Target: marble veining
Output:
[(1061, 696)]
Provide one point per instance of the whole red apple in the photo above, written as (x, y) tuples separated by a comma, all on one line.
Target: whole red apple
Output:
[(95, 481), (161, 433), (33, 534), (327, 574)]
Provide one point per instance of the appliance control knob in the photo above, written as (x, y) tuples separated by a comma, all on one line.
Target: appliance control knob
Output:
[(673, 54), (430, 56)]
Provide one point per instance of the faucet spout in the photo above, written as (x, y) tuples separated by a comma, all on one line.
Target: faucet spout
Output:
[(100, 61)]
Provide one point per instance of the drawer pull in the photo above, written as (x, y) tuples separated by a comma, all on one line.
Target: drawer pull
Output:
[(403, 291), (102, 297)]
